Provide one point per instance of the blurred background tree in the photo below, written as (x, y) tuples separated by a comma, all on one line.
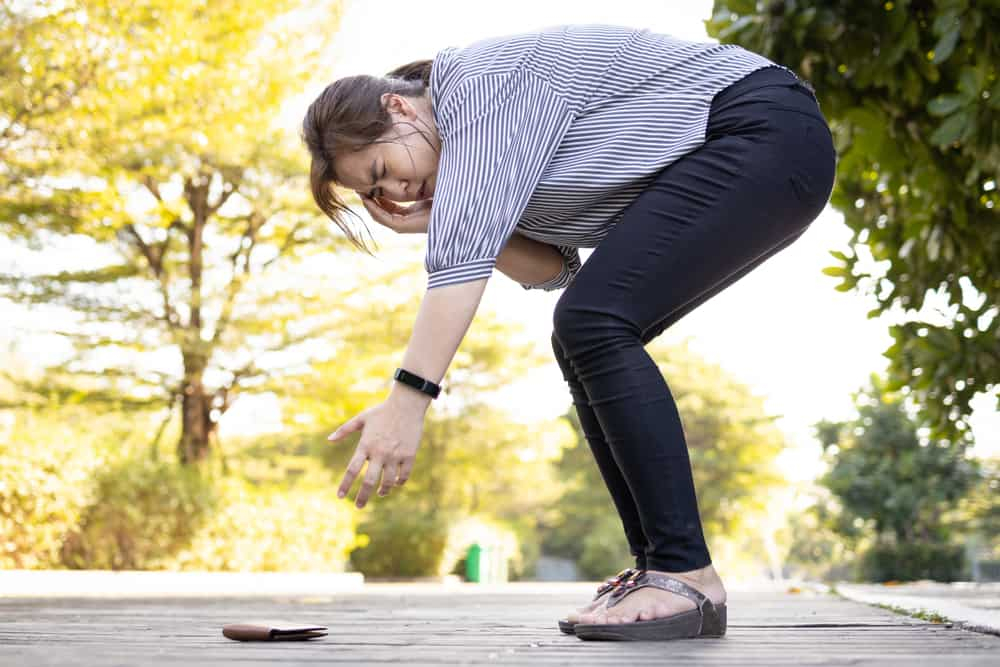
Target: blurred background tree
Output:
[(912, 93), (733, 443), (146, 135), (891, 478)]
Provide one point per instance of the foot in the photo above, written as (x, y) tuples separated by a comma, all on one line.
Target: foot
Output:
[(647, 604), (599, 600), (574, 616)]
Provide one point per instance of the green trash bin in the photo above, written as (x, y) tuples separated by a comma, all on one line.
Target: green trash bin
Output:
[(485, 564), (474, 564)]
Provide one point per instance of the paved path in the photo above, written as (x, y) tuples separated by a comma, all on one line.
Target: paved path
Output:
[(974, 606), (463, 624)]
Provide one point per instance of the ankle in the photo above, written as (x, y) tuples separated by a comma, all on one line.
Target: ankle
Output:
[(705, 574)]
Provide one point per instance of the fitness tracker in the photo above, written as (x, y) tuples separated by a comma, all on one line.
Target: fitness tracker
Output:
[(417, 382)]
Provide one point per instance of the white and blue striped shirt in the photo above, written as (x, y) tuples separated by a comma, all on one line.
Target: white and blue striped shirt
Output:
[(553, 133)]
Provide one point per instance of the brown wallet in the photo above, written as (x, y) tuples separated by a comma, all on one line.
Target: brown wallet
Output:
[(264, 631)]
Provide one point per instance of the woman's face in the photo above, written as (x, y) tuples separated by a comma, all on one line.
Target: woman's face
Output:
[(400, 166)]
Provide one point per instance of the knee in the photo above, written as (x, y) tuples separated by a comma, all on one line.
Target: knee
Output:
[(575, 322), (565, 322)]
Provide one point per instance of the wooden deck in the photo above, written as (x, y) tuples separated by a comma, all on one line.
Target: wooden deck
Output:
[(467, 624)]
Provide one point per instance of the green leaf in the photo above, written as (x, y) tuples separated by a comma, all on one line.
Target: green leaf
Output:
[(835, 271), (946, 45), (994, 101), (970, 81), (742, 6), (951, 129), (942, 105)]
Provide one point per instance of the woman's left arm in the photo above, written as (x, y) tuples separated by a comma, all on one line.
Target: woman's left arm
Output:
[(391, 430)]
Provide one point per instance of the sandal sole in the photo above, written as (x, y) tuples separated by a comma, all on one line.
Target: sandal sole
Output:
[(687, 625)]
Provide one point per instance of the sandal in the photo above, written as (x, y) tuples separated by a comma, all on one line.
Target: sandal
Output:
[(609, 585), (708, 620)]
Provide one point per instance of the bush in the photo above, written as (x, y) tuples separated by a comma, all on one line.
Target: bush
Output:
[(141, 511), (48, 459), (605, 549), (305, 528), (913, 561), (400, 541)]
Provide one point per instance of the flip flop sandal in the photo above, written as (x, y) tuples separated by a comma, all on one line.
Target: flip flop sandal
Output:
[(602, 590), (708, 620)]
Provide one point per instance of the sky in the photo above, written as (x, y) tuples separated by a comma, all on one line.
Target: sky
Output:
[(783, 330)]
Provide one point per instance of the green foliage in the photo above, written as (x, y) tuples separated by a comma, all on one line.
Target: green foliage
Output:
[(402, 541), (980, 510), (884, 471), (81, 489), (821, 544), (899, 485), (603, 548), (48, 458), (732, 443), (141, 511), (912, 92), (302, 527), (144, 137), (913, 561)]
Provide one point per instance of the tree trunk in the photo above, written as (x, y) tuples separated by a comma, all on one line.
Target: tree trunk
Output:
[(196, 406), (196, 420)]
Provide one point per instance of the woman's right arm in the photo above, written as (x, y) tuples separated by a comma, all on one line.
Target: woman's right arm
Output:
[(529, 261)]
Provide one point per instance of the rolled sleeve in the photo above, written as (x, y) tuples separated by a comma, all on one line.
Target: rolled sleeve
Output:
[(491, 161)]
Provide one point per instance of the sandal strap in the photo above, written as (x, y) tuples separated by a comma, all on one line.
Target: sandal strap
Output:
[(615, 581), (646, 579)]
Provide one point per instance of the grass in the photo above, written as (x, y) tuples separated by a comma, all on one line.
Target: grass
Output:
[(922, 614)]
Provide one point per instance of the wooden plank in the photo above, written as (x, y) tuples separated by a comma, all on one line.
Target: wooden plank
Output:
[(470, 625)]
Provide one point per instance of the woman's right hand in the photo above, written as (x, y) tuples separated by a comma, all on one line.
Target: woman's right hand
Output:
[(412, 219)]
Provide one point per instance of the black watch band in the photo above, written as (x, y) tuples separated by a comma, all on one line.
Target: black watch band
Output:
[(417, 382)]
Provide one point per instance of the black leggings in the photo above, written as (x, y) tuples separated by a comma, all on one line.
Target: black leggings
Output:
[(762, 176)]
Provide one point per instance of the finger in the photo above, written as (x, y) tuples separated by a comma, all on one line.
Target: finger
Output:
[(405, 468), (346, 429), (403, 211), (353, 468), (369, 482), (389, 474), (377, 213), (390, 206)]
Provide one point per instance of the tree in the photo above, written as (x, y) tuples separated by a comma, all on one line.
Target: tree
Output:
[(145, 134), (732, 443), (912, 93), (885, 474)]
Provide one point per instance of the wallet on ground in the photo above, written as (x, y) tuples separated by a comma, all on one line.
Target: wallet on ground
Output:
[(271, 631)]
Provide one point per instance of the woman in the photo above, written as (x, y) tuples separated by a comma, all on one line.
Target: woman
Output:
[(684, 165)]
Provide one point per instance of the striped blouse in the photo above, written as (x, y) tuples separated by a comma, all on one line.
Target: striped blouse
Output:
[(551, 134)]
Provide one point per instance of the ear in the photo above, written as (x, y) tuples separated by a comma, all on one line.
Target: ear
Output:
[(397, 105)]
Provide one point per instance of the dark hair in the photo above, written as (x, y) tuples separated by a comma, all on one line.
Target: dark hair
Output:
[(347, 116)]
